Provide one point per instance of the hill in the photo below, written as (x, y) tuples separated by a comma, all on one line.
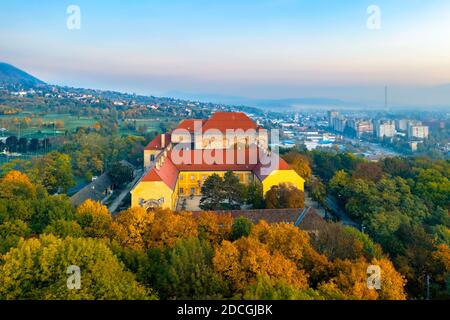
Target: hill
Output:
[(12, 75)]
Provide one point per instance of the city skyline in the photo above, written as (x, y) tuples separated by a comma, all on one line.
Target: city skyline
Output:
[(256, 50)]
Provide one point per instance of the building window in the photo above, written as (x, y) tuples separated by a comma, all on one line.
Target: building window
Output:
[(181, 177), (192, 177), (181, 191), (192, 190), (203, 178), (152, 157)]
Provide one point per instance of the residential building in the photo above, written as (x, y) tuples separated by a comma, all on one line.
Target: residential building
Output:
[(361, 127), (331, 115), (418, 132), (339, 123), (385, 129)]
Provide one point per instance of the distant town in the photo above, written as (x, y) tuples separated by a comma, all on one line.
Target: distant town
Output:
[(372, 134)]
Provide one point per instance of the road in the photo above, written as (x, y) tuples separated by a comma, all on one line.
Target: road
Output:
[(374, 147), (341, 214), (119, 199)]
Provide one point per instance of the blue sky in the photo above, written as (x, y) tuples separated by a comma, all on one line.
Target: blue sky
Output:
[(252, 48)]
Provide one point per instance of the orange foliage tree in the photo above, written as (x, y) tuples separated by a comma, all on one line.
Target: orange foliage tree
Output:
[(242, 261), (214, 227), (168, 227), (131, 226)]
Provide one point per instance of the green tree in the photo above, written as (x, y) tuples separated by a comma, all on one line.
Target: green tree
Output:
[(53, 171), (242, 227), (10, 234), (212, 193), (233, 190), (120, 174), (254, 195), (184, 271), (268, 289)]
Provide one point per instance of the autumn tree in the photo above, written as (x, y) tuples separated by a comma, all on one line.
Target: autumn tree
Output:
[(440, 271), (351, 280), (94, 218), (368, 171), (37, 269), (242, 261), (284, 196), (11, 232), (131, 226), (300, 163), (168, 227), (294, 244), (16, 185), (214, 227)]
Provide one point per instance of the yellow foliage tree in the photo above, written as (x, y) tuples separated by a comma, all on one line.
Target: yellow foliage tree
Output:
[(392, 282), (351, 279), (94, 218), (242, 261), (16, 184), (294, 244)]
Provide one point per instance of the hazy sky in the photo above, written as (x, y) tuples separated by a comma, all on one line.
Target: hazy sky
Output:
[(252, 48)]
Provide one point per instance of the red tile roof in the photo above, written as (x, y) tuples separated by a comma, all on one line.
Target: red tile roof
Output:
[(229, 120), (214, 160), (188, 124), (155, 144), (167, 173)]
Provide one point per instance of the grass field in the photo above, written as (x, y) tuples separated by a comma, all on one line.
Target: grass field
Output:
[(70, 123)]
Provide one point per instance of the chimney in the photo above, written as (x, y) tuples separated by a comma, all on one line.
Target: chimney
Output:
[(163, 140)]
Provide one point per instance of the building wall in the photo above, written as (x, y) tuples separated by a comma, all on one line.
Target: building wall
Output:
[(155, 190), (283, 176), (147, 157), (190, 181)]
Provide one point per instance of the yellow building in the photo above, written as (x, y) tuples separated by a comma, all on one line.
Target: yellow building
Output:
[(177, 164)]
